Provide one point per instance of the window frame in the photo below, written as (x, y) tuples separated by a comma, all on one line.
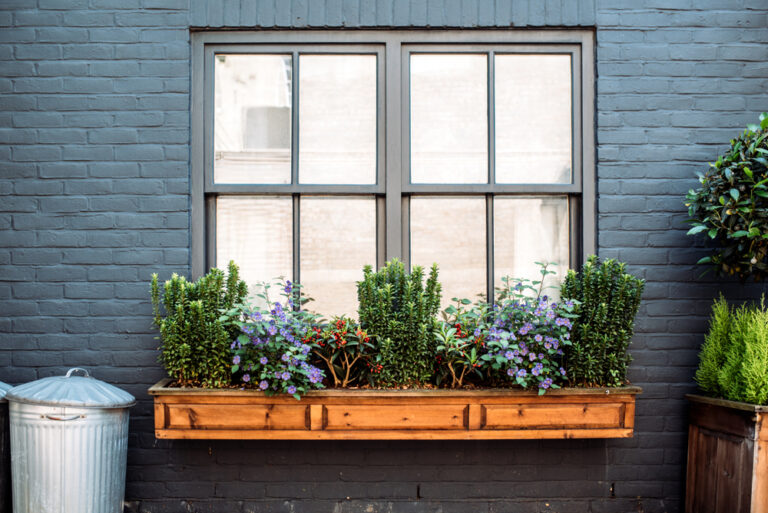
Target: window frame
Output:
[(393, 188)]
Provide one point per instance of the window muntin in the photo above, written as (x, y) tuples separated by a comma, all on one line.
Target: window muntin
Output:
[(393, 190)]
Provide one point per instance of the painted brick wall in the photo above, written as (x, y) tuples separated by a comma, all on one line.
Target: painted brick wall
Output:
[(94, 181)]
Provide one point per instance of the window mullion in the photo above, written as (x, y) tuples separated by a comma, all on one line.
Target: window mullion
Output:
[(394, 149)]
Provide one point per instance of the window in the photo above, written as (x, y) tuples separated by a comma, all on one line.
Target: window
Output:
[(315, 153)]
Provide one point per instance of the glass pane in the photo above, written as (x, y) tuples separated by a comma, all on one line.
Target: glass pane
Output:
[(533, 118), (252, 119), (255, 232), (338, 237), (337, 119), (451, 232), (530, 230), (449, 118)]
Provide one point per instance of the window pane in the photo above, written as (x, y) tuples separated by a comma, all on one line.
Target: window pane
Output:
[(449, 118), (252, 119), (337, 119), (451, 232), (533, 118), (256, 233), (338, 237), (530, 230)]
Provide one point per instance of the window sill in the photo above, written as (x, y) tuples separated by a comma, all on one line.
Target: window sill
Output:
[(492, 414)]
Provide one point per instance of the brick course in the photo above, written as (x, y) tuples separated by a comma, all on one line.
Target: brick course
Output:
[(94, 196)]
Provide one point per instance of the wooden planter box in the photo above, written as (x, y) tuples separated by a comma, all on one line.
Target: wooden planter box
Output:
[(727, 457), (394, 414)]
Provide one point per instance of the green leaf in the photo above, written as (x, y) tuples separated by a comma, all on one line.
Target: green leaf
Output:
[(764, 120), (734, 194), (748, 172), (754, 232), (738, 234), (712, 233), (705, 260), (696, 229)]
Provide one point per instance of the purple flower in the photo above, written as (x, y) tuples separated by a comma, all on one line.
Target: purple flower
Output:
[(236, 360), (246, 378), (509, 355), (285, 357), (256, 316), (285, 376), (510, 372), (550, 314), (538, 338), (263, 385), (562, 371), (291, 390), (546, 383), (522, 373), (531, 356), (263, 360), (272, 330), (247, 329)]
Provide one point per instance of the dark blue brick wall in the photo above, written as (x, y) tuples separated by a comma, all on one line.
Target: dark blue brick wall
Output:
[(94, 180)]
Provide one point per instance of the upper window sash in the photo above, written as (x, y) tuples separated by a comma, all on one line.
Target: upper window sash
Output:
[(295, 51)]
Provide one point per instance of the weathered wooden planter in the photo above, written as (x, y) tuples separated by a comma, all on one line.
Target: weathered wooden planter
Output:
[(727, 457), (185, 413)]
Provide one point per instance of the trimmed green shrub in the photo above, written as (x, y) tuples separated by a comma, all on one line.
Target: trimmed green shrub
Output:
[(731, 206), (606, 300), (195, 346), (734, 358), (399, 313)]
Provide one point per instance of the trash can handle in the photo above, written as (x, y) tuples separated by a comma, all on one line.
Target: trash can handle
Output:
[(64, 418), (75, 369)]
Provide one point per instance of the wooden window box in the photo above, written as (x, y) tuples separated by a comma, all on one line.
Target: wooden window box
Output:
[(727, 456), (188, 413)]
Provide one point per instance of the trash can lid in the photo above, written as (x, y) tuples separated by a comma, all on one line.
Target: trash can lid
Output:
[(69, 390), (3, 389)]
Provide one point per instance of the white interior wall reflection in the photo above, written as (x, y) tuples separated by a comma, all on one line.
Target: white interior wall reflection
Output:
[(533, 118), (337, 119)]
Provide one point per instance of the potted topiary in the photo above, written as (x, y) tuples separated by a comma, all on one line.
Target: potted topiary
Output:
[(728, 433), (731, 206)]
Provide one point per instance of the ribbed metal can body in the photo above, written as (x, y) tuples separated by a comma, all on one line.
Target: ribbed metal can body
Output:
[(5, 460), (68, 459)]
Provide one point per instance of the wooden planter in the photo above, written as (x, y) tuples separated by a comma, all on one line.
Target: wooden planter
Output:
[(394, 414), (727, 457)]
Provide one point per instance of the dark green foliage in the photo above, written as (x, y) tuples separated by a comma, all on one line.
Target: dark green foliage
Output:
[(606, 300), (195, 344), (734, 358), (731, 206), (399, 313)]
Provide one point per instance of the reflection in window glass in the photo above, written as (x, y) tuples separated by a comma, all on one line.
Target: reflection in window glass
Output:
[(529, 230), (255, 232), (449, 118), (338, 238), (252, 119), (533, 118), (337, 119), (451, 232)]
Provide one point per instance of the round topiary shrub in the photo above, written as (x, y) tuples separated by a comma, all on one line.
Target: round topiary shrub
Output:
[(731, 206)]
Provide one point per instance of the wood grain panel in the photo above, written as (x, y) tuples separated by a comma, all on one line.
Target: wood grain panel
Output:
[(421, 416), (552, 416), (252, 417)]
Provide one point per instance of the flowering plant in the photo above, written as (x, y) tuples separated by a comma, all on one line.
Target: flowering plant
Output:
[(344, 347), (460, 342), (526, 335), (270, 351)]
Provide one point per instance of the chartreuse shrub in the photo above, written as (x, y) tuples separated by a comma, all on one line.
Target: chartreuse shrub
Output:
[(398, 311), (195, 346), (606, 300), (734, 357), (731, 206)]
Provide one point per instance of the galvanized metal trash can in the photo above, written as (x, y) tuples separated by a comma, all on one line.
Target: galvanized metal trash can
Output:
[(69, 441), (5, 452)]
